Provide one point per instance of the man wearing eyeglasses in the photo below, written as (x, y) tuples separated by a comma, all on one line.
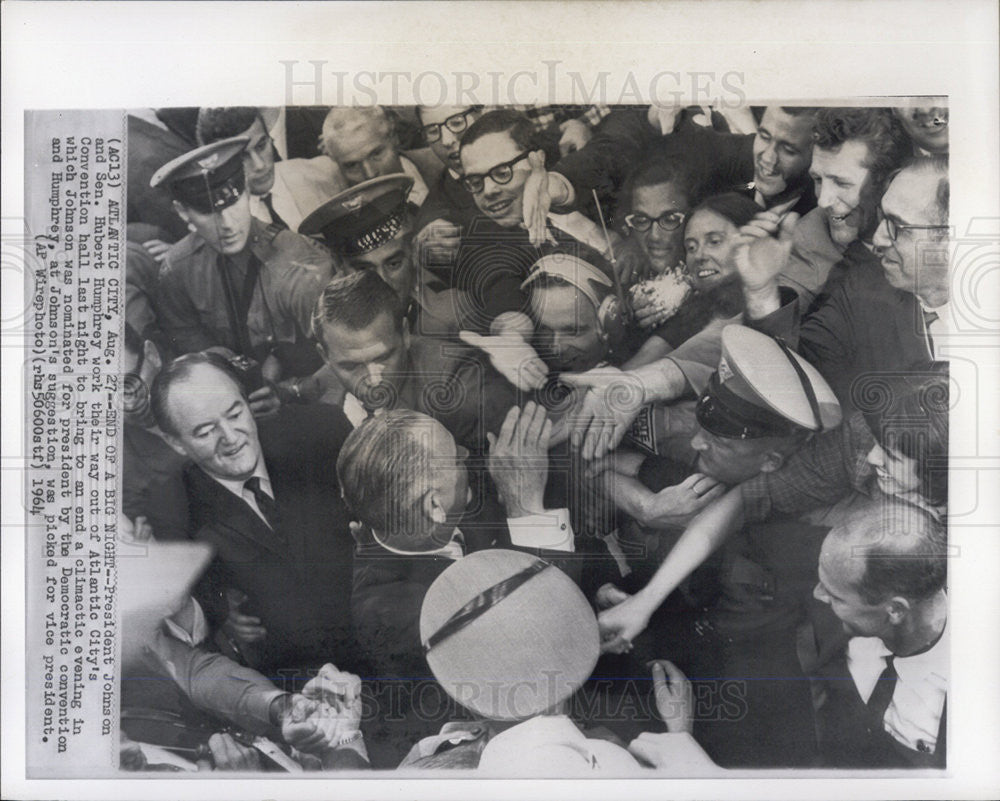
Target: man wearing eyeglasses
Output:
[(855, 153), (449, 205), (498, 153), (893, 315)]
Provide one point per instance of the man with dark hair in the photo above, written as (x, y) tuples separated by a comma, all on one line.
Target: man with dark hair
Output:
[(370, 227), (234, 283), (499, 151), (855, 152), (276, 187), (884, 573), (449, 206), (363, 336), (267, 503), (772, 164), (896, 315)]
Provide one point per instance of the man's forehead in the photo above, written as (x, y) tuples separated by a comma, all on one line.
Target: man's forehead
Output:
[(489, 150), (657, 197), (434, 114), (393, 247), (255, 131), (202, 387), (783, 125), (850, 155), (911, 196), (381, 333)]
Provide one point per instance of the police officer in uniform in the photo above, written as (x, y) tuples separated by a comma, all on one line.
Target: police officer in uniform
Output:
[(370, 226), (234, 283)]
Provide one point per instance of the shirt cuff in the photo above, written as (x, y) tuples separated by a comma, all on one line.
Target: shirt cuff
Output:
[(549, 530)]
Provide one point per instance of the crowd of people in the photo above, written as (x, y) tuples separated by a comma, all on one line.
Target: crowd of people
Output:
[(543, 440)]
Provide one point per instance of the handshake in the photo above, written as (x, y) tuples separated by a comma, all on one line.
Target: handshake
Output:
[(325, 716)]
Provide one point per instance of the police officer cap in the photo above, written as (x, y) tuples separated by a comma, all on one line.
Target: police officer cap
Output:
[(208, 178), (764, 389), (507, 634), (362, 218)]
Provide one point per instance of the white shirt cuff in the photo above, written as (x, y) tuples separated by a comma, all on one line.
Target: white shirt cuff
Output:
[(549, 530)]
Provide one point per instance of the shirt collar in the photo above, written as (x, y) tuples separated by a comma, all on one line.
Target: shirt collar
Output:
[(236, 486)]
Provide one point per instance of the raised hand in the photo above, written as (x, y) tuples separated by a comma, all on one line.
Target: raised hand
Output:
[(519, 459), (762, 256), (512, 357), (537, 201), (438, 242), (612, 401)]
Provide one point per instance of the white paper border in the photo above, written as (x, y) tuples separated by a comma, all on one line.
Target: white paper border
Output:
[(102, 55)]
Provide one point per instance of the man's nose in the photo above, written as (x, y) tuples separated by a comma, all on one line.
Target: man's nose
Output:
[(256, 161), (820, 594), (229, 433), (370, 169), (827, 196), (490, 187), (229, 217), (657, 233), (881, 238), (876, 457), (448, 139), (769, 155), (374, 372)]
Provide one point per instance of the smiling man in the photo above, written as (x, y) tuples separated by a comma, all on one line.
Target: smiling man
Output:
[(499, 152), (855, 152), (270, 509)]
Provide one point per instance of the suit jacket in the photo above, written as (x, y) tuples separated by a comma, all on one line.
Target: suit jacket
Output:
[(860, 325), (297, 576)]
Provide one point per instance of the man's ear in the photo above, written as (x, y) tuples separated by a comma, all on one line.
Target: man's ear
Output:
[(771, 461), (898, 608), (432, 507), (151, 356), (174, 443)]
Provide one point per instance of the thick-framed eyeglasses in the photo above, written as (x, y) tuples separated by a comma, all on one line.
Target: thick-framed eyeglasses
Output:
[(501, 174), (668, 221), (893, 228), (456, 123)]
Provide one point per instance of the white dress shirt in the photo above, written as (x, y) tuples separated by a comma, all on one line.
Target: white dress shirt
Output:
[(914, 714)]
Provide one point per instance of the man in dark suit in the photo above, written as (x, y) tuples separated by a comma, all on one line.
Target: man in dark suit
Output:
[(406, 478), (267, 501), (889, 316), (883, 573)]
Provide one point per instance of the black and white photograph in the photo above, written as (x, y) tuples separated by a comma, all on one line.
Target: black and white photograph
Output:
[(376, 425)]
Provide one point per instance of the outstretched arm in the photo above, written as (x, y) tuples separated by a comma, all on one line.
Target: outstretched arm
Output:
[(622, 623)]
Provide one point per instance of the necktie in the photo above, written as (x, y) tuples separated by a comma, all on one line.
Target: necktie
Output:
[(265, 502), (275, 217), (930, 317), (881, 696)]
